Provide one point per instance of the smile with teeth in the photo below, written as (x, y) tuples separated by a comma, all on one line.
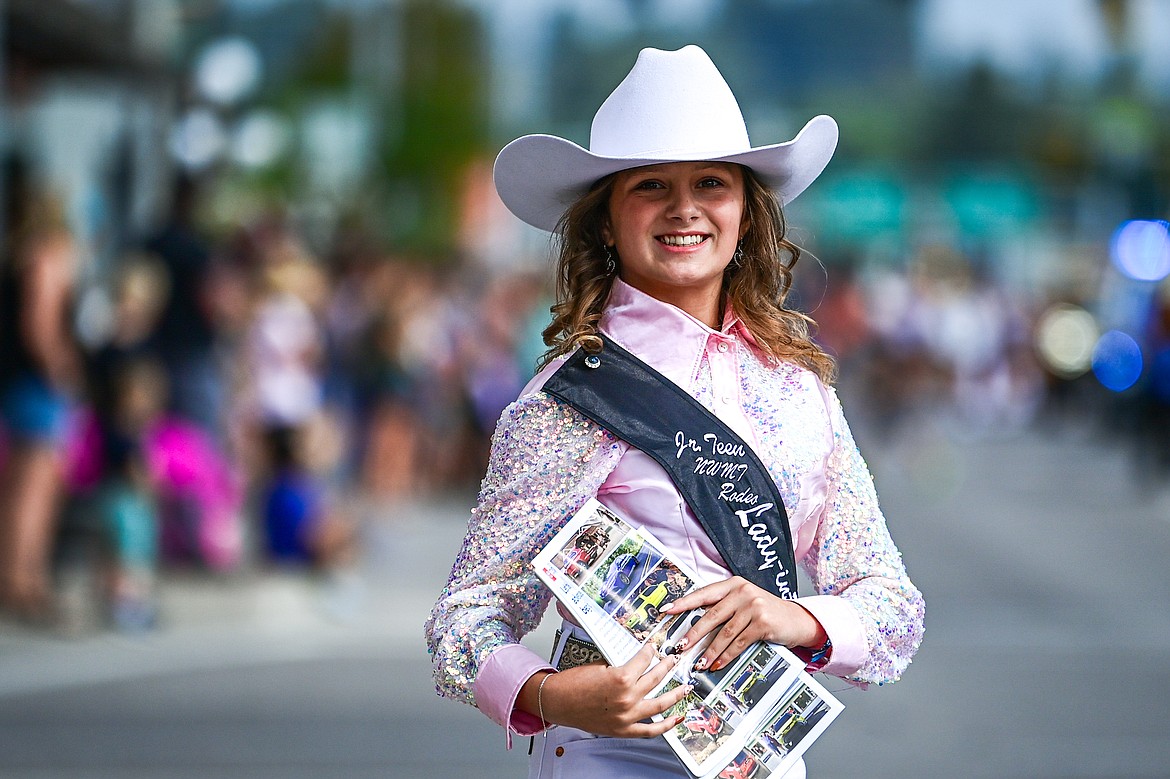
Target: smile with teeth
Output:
[(682, 240)]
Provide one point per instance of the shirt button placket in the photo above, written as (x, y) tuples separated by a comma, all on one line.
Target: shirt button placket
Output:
[(723, 370)]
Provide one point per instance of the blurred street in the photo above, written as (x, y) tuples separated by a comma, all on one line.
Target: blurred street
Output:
[(1043, 656)]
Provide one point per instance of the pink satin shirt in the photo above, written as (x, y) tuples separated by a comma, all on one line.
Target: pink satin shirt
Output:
[(867, 605)]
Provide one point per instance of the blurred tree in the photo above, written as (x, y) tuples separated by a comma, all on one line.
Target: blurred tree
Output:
[(441, 123), (978, 120), (1115, 14)]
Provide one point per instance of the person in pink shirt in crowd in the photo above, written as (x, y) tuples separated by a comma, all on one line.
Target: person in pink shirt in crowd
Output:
[(672, 247)]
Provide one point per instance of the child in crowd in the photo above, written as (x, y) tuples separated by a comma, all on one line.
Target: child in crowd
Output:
[(300, 527), (126, 500)]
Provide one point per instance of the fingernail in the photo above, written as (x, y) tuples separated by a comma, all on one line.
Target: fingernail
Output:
[(683, 644), (699, 666), (666, 606)]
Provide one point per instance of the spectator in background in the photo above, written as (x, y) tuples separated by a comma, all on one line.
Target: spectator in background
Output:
[(301, 524), (128, 392), (390, 388), (141, 289), (285, 346), (39, 370), (1153, 434), (493, 375), (284, 406), (433, 321), (843, 327), (127, 498), (154, 480), (185, 336)]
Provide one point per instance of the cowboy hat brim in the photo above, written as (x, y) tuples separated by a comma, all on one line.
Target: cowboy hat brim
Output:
[(539, 176)]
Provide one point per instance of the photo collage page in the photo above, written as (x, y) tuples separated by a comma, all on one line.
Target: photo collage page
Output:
[(752, 718)]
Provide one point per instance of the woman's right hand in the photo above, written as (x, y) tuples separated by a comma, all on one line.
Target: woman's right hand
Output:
[(606, 700)]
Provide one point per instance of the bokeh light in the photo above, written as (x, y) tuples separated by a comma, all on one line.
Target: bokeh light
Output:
[(1117, 361), (228, 70), (260, 139), (1065, 337), (1141, 250), (198, 139)]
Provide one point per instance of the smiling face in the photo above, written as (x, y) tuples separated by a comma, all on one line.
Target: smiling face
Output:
[(675, 227)]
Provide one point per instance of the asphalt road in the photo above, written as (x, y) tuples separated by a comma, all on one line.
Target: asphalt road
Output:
[(1047, 651)]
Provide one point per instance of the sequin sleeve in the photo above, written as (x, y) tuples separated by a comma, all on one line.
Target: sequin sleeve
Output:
[(546, 461), (856, 559)]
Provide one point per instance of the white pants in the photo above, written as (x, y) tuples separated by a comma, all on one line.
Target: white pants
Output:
[(568, 753)]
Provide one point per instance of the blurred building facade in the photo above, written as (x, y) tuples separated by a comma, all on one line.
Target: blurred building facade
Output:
[(88, 92)]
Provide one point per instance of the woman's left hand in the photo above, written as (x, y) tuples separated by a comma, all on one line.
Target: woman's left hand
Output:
[(742, 614)]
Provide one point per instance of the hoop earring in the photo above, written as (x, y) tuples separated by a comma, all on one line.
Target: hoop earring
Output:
[(610, 262), (737, 257)]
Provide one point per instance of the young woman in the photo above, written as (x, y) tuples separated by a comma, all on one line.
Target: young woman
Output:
[(39, 371), (672, 245)]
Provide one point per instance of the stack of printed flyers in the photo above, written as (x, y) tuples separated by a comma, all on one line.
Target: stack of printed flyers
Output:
[(751, 718)]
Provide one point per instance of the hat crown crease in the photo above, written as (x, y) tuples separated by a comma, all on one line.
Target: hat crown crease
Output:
[(672, 104)]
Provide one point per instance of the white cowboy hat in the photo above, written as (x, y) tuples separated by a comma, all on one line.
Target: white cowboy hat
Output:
[(674, 106)]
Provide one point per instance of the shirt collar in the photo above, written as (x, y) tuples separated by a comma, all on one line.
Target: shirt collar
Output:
[(663, 336)]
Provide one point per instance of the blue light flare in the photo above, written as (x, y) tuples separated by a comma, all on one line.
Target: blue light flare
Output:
[(1141, 249), (1117, 361)]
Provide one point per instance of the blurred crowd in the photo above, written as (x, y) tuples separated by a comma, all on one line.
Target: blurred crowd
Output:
[(941, 343), (223, 404), (941, 338), (228, 403)]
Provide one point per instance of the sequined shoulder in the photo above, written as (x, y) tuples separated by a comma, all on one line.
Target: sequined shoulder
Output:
[(546, 461)]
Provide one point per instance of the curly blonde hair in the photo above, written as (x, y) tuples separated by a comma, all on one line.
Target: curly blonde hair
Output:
[(755, 287)]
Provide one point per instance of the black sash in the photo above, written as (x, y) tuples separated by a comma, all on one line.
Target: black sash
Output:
[(723, 481)]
